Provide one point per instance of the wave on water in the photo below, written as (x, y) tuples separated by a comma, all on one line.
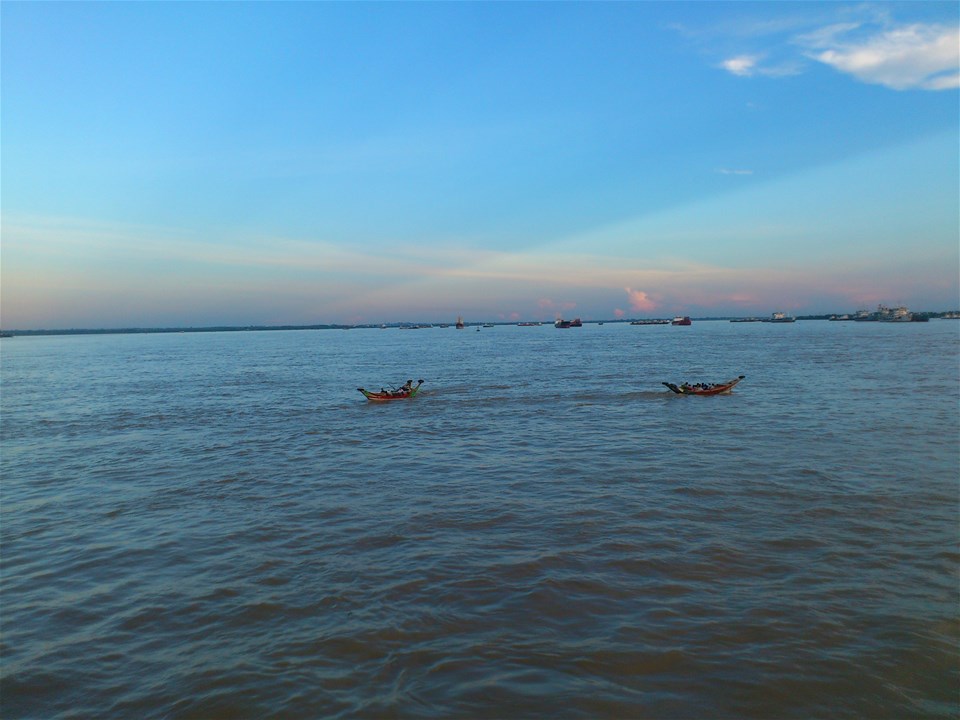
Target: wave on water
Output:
[(232, 530)]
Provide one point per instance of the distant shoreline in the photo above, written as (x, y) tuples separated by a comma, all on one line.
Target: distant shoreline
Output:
[(335, 326)]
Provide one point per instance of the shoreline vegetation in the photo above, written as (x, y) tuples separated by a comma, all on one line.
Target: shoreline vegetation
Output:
[(952, 314)]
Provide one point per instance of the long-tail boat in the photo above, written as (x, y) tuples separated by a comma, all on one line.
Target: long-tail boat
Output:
[(402, 393), (704, 388)]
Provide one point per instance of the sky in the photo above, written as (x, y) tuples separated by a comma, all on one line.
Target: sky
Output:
[(196, 164)]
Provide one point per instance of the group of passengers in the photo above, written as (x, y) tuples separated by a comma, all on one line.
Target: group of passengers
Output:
[(403, 391), (699, 386)]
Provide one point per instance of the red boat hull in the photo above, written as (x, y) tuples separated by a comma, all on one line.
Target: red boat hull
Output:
[(387, 396), (717, 389)]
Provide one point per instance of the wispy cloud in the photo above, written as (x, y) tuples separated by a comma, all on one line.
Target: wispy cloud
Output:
[(555, 306), (734, 171), (871, 48), (750, 65)]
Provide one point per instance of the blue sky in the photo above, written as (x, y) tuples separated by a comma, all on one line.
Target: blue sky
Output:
[(190, 164)]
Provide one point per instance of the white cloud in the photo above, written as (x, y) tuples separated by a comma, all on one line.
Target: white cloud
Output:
[(750, 65), (943, 82), (867, 44), (910, 57), (742, 65), (734, 171)]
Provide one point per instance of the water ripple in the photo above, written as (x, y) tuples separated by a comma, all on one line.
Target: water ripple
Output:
[(217, 525)]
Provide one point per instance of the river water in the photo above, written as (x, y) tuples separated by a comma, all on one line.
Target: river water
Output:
[(218, 525)]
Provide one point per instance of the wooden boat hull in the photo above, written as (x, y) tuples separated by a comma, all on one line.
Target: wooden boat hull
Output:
[(718, 389), (388, 396)]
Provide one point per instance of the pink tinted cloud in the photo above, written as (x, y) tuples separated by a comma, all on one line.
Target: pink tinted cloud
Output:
[(618, 313), (639, 300), (743, 299), (548, 304)]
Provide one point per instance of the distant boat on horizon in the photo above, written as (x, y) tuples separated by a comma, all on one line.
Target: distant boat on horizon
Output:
[(897, 314), (883, 314), (459, 322), (681, 320), (779, 317)]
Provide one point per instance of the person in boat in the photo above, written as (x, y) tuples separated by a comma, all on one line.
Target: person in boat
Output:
[(401, 391)]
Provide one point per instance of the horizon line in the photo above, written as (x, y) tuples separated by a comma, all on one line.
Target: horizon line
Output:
[(393, 324)]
